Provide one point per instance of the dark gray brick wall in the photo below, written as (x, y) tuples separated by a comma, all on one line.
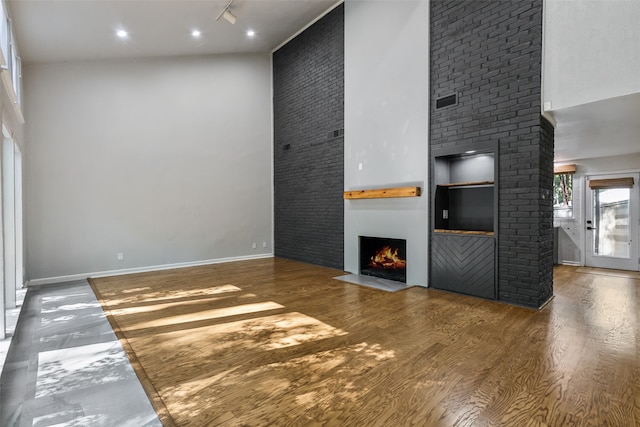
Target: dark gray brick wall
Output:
[(545, 270), (308, 101), (490, 54)]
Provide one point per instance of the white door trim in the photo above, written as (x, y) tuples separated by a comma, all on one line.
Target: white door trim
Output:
[(633, 262)]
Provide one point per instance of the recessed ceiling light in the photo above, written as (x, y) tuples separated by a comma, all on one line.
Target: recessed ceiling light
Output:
[(251, 33), (196, 33), (122, 34)]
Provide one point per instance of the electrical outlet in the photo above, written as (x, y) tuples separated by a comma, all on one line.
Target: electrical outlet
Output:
[(445, 214), (254, 245), (120, 256), (264, 244)]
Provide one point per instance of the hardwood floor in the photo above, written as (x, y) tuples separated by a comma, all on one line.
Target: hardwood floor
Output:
[(276, 342)]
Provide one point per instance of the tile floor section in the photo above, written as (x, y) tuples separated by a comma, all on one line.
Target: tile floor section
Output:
[(11, 319), (65, 366)]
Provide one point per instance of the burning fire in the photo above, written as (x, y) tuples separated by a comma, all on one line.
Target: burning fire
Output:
[(387, 258)]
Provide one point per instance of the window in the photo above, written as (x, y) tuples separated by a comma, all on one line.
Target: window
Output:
[(4, 33), (563, 191)]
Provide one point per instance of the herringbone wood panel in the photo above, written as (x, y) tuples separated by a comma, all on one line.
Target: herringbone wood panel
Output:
[(463, 264)]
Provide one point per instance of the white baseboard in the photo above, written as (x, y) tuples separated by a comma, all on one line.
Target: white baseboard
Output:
[(84, 276), (573, 263)]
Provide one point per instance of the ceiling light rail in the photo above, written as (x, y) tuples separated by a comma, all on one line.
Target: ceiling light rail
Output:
[(227, 14)]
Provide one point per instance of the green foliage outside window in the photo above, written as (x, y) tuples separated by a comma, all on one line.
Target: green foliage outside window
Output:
[(563, 195)]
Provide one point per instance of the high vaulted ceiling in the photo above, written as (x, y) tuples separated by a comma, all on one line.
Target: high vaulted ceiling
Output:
[(72, 30)]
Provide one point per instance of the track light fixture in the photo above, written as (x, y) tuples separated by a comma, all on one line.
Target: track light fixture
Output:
[(227, 14)]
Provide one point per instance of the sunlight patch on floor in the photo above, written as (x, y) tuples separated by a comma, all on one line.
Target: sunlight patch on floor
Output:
[(52, 299), (215, 341), (78, 367), (267, 332), (59, 320), (323, 380), (162, 306), (68, 419), (297, 328), (70, 307), (163, 295), (198, 316)]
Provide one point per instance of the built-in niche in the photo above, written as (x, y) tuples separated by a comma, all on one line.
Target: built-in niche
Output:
[(463, 237), (464, 193)]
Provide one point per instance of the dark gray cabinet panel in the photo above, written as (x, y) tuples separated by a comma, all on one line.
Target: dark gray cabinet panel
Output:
[(464, 264)]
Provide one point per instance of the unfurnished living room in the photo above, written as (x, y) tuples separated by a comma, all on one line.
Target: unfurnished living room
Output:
[(339, 213)]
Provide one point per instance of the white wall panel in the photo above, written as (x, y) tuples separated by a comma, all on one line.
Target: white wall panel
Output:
[(591, 50), (386, 124), (165, 161)]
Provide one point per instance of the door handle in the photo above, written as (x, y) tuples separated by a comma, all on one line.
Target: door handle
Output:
[(591, 228)]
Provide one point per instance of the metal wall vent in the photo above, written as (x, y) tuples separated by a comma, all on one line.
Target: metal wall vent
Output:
[(447, 101)]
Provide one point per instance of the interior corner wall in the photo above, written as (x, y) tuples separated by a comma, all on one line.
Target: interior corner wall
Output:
[(308, 108), (386, 125), (166, 161), (490, 54)]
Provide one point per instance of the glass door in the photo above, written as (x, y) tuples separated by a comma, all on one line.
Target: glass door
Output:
[(612, 222)]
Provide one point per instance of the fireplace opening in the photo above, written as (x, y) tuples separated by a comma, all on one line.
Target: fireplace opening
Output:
[(384, 258)]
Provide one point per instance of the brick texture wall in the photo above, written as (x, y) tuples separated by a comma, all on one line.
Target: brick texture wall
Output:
[(545, 260), (308, 100), (490, 54)]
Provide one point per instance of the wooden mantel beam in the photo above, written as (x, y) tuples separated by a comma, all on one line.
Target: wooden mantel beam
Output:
[(382, 193)]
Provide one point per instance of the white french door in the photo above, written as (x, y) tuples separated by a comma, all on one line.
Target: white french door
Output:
[(612, 217)]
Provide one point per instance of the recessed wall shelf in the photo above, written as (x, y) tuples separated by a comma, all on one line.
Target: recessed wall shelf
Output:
[(464, 193), (463, 237), (383, 193), (470, 232), (466, 184)]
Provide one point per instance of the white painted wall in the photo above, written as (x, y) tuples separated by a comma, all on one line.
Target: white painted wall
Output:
[(386, 124), (591, 50), (572, 233), (165, 160)]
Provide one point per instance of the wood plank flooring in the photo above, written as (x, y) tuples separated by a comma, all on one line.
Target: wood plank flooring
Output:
[(276, 342)]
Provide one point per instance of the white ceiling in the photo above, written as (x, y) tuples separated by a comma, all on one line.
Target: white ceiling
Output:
[(72, 30), (599, 129)]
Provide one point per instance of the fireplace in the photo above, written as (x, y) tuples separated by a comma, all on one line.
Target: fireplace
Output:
[(384, 258)]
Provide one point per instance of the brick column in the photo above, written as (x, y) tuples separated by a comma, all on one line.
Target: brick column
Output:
[(490, 55)]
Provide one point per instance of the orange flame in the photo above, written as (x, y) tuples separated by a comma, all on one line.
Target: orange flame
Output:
[(387, 258)]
